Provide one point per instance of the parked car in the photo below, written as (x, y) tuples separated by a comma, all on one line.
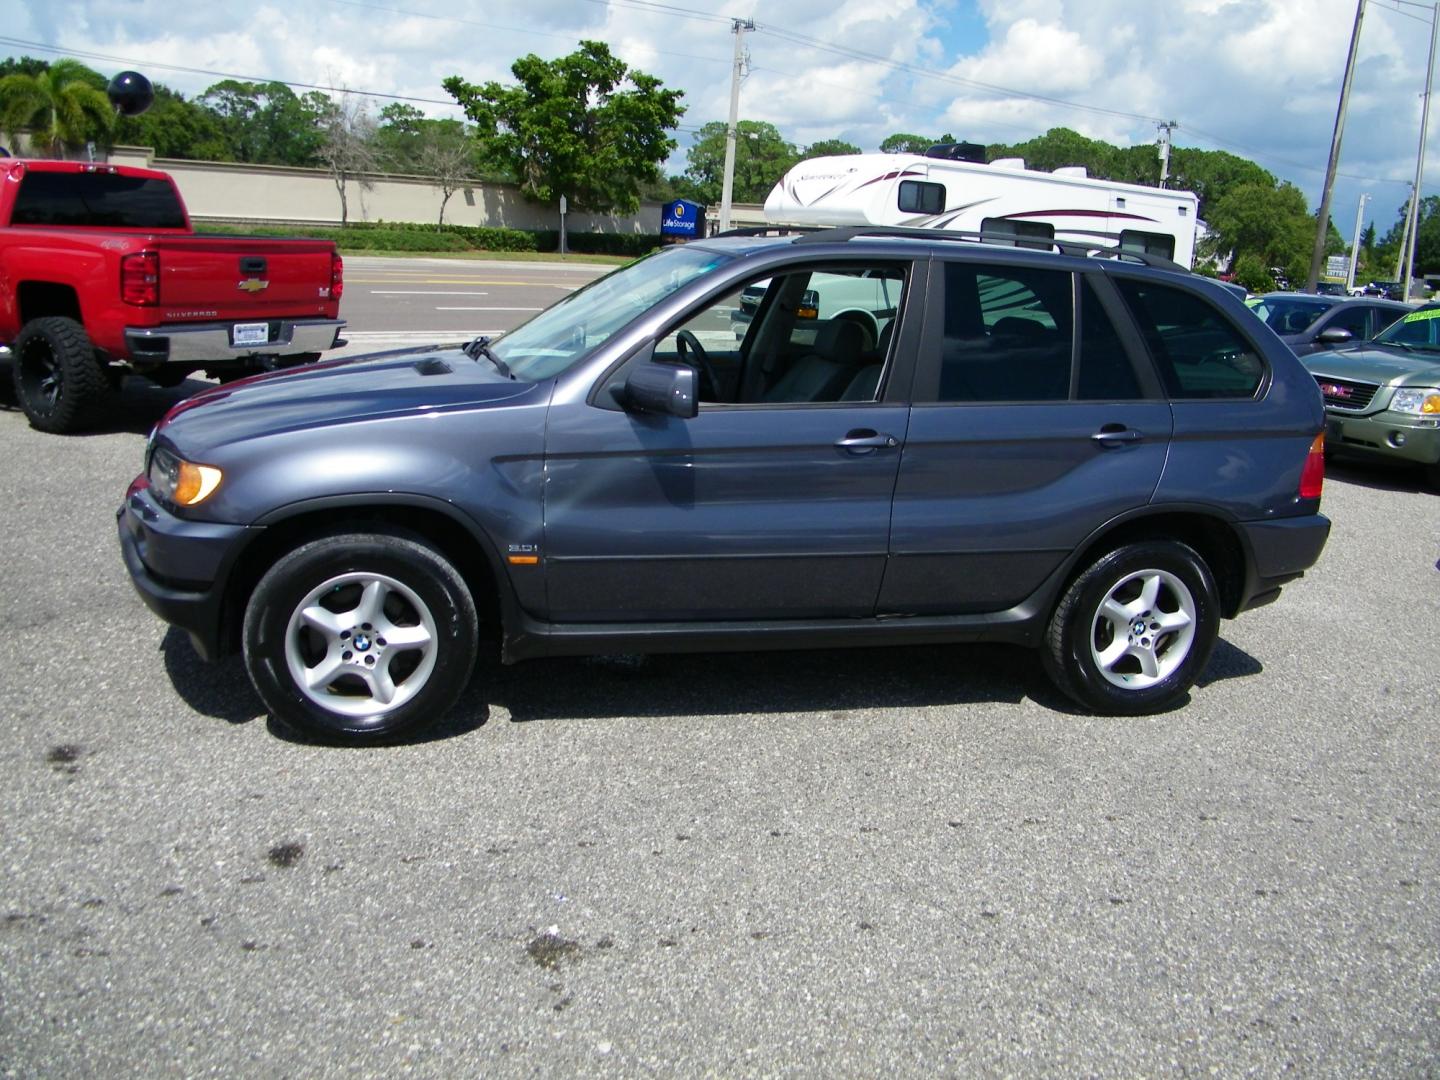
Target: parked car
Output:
[(102, 275), (1309, 323), (1330, 288), (1098, 459), (1382, 400)]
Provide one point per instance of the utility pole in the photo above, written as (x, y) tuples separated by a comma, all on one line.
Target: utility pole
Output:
[(1322, 226), (738, 27), (1163, 144), (1355, 244), (1420, 157)]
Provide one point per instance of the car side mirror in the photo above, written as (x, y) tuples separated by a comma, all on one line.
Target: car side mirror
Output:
[(1334, 335), (666, 389)]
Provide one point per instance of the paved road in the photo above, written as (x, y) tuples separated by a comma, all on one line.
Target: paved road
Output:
[(391, 303), (845, 863)]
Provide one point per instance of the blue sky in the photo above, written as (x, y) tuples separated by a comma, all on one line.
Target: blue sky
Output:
[(1258, 77)]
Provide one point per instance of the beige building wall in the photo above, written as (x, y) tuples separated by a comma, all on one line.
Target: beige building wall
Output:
[(224, 191)]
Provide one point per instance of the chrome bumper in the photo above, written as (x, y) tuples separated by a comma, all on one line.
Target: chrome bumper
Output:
[(211, 342)]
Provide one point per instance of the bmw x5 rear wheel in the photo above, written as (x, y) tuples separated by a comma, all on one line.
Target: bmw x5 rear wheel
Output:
[(1135, 629)]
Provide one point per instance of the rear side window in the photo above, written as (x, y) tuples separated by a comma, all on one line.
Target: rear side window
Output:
[(1105, 371), (1007, 336), (1197, 350), (97, 199)]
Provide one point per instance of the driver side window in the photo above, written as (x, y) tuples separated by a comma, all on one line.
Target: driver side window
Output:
[(806, 336)]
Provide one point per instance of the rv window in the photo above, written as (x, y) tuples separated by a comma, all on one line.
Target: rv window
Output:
[(1007, 334), (1160, 244), (1042, 231), (921, 198)]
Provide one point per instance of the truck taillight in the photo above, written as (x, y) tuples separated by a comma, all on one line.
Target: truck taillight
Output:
[(337, 276), (1312, 476), (140, 278)]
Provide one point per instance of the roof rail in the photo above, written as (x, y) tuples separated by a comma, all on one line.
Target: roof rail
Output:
[(767, 230), (844, 233)]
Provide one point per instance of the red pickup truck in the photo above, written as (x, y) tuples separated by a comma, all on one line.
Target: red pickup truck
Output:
[(101, 275)]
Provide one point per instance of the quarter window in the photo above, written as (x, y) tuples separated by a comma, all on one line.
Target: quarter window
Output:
[(1199, 353), (1007, 334)]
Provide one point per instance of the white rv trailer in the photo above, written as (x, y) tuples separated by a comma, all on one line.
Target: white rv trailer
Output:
[(1002, 197)]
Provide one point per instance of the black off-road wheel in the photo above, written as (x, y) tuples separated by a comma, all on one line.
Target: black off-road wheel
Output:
[(360, 637), (59, 381), (1135, 629)]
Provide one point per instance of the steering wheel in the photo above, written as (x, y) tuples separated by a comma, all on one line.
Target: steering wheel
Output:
[(689, 343)]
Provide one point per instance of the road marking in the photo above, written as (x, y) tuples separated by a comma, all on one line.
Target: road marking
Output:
[(422, 292), (489, 309)]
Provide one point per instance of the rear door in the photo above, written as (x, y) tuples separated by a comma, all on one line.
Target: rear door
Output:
[(1035, 421)]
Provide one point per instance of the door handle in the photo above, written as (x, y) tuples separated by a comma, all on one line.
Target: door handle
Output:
[(865, 441), (1115, 434)]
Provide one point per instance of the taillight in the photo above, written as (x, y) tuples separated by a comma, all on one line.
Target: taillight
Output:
[(337, 276), (1312, 477), (140, 278)]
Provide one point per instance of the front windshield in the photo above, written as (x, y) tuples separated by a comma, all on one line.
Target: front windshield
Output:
[(560, 335), (1420, 329), (1285, 315)]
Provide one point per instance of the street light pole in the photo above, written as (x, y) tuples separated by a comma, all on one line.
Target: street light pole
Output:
[(1420, 157), (1355, 244), (738, 27), (1322, 226)]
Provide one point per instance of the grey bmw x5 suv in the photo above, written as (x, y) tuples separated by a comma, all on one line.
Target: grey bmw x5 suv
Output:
[(1089, 456)]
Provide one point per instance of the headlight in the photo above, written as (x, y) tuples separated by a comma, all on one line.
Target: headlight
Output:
[(1416, 401), (181, 482)]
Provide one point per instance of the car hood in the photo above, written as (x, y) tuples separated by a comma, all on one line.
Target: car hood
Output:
[(338, 392), (1374, 363)]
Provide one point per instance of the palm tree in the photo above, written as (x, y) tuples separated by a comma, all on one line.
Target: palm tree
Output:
[(60, 106)]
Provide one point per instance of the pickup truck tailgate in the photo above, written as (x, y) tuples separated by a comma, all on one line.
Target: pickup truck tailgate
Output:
[(204, 278)]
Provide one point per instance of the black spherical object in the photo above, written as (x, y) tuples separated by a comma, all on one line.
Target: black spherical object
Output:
[(130, 93)]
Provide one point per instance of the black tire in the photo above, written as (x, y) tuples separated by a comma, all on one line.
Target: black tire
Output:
[(59, 382), (343, 701), (1176, 625), (1432, 476)]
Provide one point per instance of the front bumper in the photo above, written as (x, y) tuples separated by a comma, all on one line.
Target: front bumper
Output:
[(200, 343), (1392, 435), (179, 567)]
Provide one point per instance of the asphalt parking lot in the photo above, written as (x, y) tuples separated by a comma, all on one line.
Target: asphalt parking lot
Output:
[(845, 863)]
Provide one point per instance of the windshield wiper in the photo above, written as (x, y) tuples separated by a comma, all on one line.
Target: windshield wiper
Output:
[(481, 347)]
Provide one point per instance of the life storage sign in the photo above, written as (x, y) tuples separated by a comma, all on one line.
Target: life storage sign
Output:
[(682, 218)]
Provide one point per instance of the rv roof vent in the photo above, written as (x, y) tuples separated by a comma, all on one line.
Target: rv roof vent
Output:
[(1008, 163), (1077, 171), (958, 151)]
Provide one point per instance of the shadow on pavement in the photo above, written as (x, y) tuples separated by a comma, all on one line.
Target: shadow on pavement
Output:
[(1376, 476), (700, 684)]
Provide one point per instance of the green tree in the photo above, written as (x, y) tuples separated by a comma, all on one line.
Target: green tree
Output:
[(1251, 272), (174, 127), (830, 148), (268, 123), (585, 126), (905, 143), (62, 106), (762, 157), (1268, 222), (398, 136)]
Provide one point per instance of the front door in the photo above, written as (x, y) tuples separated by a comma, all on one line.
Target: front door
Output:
[(773, 502)]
